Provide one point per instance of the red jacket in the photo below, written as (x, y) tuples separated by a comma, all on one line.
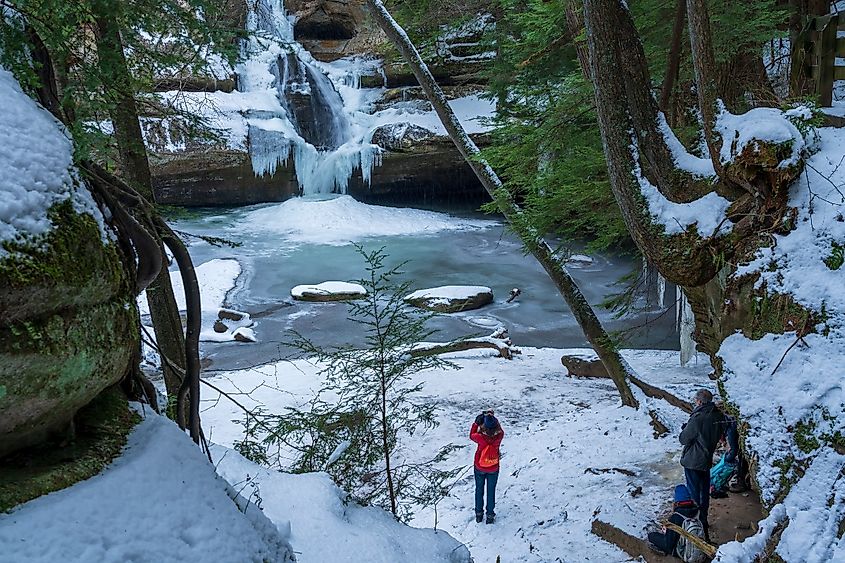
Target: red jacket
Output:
[(487, 452)]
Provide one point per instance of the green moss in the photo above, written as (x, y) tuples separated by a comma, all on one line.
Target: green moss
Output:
[(69, 329), (101, 427), (804, 436), (69, 267)]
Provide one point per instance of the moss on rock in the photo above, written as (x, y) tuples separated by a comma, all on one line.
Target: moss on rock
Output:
[(68, 327), (101, 430)]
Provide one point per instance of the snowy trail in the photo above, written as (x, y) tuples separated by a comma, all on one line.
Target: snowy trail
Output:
[(556, 429)]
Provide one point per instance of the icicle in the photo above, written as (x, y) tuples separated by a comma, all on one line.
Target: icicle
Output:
[(686, 326), (661, 291)]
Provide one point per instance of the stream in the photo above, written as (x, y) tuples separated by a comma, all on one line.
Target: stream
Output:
[(309, 240)]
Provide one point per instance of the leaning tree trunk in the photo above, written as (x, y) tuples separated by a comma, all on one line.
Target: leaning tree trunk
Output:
[(616, 366), (163, 308)]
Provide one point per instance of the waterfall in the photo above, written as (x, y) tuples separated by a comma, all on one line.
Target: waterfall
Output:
[(296, 109)]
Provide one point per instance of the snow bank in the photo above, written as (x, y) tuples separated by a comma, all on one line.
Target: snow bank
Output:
[(555, 428), (324, 527), (340, 220), (159, 501), (36, 168), (216, 278), (795, 410)]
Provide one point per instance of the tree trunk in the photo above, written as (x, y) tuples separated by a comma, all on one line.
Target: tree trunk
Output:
[(539, 248), (673, 64), (136, 169)]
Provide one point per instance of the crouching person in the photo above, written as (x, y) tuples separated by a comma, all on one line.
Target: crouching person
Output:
[(487, 433)]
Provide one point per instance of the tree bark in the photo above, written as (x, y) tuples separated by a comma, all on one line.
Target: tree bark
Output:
[(673, 64), (115, 77), (704, 63), (534, 243)]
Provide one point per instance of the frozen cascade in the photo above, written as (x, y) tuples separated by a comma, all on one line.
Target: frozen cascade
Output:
[(686, 326), (312, 123), (661, 290)]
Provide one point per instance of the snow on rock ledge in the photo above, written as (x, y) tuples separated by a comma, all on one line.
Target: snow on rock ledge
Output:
[(159, 501), (451, 298), (328, 291), (325, 528)]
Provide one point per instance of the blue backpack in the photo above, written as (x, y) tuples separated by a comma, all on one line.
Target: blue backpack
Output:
[(720, 473)]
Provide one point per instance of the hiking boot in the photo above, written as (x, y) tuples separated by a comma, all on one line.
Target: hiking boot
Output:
[(479, 516), (490, 518)]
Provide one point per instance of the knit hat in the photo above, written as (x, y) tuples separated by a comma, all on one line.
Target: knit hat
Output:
[(490, 422)]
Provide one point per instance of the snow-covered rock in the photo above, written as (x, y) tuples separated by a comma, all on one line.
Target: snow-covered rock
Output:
[(401, 137), (451, 298), (328, 291), (36, 169), (159, 501)]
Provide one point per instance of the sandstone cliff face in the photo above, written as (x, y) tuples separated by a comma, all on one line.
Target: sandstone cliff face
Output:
[(422, 167)]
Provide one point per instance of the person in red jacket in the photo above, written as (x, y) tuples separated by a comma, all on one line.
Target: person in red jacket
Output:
[(487, 433)]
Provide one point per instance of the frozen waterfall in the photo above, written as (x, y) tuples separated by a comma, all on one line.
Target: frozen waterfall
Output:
[(311, 121)]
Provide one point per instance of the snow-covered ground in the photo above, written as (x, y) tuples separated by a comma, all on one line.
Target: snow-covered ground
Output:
[(159, 501), (556, 429), (216, 278)]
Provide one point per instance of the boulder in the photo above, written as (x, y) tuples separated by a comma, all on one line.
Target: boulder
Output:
[(329, 291), (244, 335), (69, 327), (583, 365), (402, 137), (220, 327), (451, 298)]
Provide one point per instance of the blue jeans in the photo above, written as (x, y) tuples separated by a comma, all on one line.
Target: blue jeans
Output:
[(698, 485), (490, 479)]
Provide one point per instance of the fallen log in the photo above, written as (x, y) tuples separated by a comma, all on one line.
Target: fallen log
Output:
[(580, 366), (498, 341), (632, 545)]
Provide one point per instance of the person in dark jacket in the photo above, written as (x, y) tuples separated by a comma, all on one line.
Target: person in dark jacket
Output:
[(700, 436), (487, 433)]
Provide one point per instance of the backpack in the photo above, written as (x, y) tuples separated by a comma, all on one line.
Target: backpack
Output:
[(489, 456), (720, 473), (687, 550)]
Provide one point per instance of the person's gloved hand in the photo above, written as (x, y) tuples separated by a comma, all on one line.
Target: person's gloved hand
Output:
[(479, 420)]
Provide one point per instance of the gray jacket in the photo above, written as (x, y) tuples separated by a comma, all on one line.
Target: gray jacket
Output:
[(700, 437)]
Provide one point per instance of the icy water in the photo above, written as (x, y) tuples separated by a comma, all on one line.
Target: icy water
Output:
[(307, 242)]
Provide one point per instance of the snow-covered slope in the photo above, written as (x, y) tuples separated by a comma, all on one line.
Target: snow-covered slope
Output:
[(796, 410), (324, 527), (159, 501)]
